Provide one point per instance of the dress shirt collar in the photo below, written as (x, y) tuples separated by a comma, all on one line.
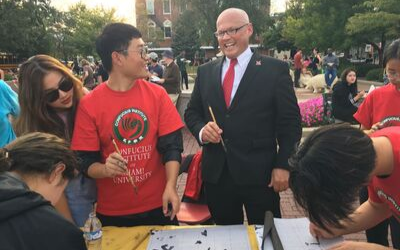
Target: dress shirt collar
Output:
[(243, 58)]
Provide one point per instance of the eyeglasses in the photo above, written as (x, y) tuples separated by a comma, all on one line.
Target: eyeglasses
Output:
[(392, 75), (65, 85), (143, 52), (230, 32)]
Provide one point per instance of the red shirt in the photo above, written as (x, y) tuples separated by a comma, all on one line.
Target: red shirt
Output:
[(297, 60), (135, 119), (382, 103), (387, 190)]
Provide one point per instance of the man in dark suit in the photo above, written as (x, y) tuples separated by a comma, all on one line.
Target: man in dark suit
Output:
[(253, 100)]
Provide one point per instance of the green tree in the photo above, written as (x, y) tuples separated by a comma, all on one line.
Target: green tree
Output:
[(208, 10), (78, 28), (186, 35), (272, 37), (375, 22), (319, 23), (26, 27)]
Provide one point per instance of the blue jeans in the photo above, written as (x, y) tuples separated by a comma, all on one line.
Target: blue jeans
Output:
[(81, 194), (330, 75)]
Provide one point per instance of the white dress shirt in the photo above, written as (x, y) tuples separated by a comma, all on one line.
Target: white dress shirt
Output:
[(240, 67)]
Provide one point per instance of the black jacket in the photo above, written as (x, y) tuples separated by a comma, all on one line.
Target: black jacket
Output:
[(263, 115), (28, 221), (342, 108)]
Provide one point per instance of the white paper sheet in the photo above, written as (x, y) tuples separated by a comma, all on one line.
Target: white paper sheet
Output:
[(295, 235), (207, 238)]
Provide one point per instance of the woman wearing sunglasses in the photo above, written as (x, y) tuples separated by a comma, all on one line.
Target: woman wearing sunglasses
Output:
[(48, 95)]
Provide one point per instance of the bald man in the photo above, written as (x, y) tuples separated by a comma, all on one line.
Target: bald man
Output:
[(256, 113)]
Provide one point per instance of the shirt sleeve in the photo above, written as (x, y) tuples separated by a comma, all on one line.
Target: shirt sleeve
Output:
[(85, 137), (11, 98), (169, 118), (372, 194), (364, 112)]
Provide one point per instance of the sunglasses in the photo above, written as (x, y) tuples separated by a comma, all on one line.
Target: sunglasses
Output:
[(65, 85)]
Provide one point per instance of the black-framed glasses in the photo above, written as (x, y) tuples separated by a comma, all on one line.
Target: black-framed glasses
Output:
[(65, 85), (143, 52), (230, 32)]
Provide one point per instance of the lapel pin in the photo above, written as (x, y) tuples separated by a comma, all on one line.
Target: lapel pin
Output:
[(258, 63)]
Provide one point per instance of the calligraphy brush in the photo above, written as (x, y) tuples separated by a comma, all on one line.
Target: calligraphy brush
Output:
[(127, 171), (215, 121)]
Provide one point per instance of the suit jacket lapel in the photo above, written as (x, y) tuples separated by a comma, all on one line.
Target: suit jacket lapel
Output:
[(216, 78), (247, 80)]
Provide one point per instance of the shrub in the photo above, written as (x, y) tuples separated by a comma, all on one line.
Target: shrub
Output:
[(375, 75), (312, 113), (363, 68), (8, 77)]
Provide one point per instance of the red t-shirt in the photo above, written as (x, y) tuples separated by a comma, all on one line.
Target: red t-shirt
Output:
[(297, 60), (387, 190), (381, 105), (135, 119)]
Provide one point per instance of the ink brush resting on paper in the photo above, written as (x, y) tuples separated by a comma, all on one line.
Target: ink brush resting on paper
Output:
[(215, 121), (127, 171)]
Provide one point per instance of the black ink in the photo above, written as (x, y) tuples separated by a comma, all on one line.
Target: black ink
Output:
[(204, 233), (198, 242), (165, 247)]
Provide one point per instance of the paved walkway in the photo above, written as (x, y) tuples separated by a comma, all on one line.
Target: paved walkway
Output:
[(288, 206)]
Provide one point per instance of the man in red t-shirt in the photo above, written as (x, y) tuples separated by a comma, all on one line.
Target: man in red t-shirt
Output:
[(146, 128), (330, 167), (298, 65), (381, 108)]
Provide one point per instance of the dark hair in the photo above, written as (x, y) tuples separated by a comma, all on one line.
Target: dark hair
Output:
[(327, 171), (115, 37), (392, 52), (353, 87), (36, 115), (37, 154)]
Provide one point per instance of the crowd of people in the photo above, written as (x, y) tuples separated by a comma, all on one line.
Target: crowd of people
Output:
[(114, 138)]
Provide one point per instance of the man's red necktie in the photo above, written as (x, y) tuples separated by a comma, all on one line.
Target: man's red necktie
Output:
[(227, 85)]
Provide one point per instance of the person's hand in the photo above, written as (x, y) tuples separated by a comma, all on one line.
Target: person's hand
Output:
[(354, 245), (170, 196), (211, 133), (161, 81), (318, 232), (279, 179), (115, 165), (360, 95), (374, 128)]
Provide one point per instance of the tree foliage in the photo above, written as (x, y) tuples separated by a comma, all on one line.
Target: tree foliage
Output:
[(319, 23), (186, 37), (30, 27), (375, 22), (80, 27), (26, 27), (208, 10)]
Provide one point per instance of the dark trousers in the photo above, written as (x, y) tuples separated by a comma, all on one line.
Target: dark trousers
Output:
[(226, 200), (379, 233), (297, 77), (149, 218), (185, 79)]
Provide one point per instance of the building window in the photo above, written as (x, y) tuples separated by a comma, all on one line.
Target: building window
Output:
[(167, 6), (150, 7), (182, 7), (167, 29), (151, 29)]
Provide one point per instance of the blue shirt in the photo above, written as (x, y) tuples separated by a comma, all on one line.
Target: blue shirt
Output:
[(8, 107)]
